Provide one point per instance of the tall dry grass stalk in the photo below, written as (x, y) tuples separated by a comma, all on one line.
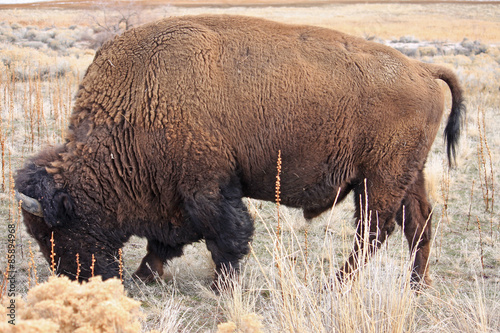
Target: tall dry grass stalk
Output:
[(485, 162), (445, 189), (52, 255), (78, 267), (481, 245), (32, 273), (120, 264), (278, 192), (92, 266)]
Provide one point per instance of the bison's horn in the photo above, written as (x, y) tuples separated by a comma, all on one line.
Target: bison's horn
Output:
[(30, 205)]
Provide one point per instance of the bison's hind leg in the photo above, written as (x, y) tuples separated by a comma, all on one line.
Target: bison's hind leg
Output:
[(223, 220), (415, 218), (377, 200)]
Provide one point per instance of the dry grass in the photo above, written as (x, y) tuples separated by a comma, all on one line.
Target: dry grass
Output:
[(286, 283)]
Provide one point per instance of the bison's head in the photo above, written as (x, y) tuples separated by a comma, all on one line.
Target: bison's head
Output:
[(52, 217)]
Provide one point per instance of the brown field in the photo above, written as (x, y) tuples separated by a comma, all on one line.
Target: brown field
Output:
[(427, 20), (44, 52)]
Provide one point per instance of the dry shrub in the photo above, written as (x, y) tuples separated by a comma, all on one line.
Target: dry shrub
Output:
[(61, 305), (31, 326)]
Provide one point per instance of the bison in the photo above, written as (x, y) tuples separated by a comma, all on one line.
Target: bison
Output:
[(176, 121)]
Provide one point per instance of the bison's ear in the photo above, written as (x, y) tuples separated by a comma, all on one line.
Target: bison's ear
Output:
[(60, 210)]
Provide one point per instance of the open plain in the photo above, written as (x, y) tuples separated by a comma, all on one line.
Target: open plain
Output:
[(44, 52)]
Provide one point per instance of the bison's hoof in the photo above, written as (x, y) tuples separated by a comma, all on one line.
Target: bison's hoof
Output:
[(419, 284), (147, 275)]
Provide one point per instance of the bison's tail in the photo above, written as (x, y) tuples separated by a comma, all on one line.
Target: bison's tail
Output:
[(457, 114)]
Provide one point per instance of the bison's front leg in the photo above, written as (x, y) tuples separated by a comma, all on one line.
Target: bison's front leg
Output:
[(231, 243), (223, 220), (151, 265)]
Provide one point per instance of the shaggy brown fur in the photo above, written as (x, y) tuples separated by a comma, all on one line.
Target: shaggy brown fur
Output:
[(177, 120)]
